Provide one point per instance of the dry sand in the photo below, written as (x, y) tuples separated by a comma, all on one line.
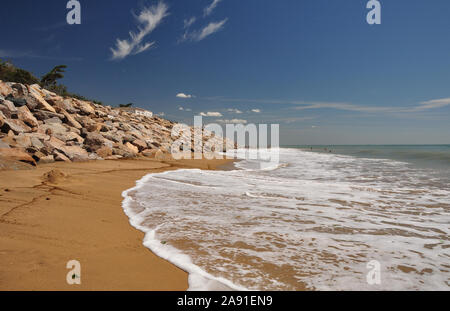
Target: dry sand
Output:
[(47, 220)]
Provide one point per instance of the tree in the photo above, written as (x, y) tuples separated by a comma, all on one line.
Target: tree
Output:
[(126, 106), (49, 80)]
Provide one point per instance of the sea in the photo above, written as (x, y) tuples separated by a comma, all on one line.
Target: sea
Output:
[(322, 218)]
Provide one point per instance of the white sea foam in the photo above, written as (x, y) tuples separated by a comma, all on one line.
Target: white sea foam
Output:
[(314, 224)]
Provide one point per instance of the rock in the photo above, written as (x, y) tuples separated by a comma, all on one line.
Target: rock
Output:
[(60, 157), (53, 143), (47, 159), (2, 119), (23, 141), (17, 154), (71, 120), (94, 141), (5, 89), (19, 90), (5, 111), (133, 149), (10, 105), (4, 144), (85, 107), (36, 143), (34, 93), (17, 126), (74, 153), (27, 117), (141, 145), (104, 152), (94, 127), (150, 153), (43, 115), (54, 120)]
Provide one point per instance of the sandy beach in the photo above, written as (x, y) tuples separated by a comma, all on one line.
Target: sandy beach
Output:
[(75, 213)]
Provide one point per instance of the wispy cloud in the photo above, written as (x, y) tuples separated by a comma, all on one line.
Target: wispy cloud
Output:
[(210, 114), (185, 96), (184, 109), (233, 110), (309, 105), (149, 18), (435, 103), (256, 110), (210, 8), (232, 121), (204, 32), (212, 28), (189, 22)]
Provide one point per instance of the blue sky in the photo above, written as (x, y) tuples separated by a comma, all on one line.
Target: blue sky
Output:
[(313, 66)]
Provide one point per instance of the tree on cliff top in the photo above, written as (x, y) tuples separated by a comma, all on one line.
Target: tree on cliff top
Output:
[(48, 81)]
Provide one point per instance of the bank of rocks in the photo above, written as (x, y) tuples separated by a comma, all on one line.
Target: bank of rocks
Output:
[(38, 126)]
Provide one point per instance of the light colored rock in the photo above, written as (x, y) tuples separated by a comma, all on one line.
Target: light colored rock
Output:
[(36, 143), (27, 117), (23, 141), (17, 154), (15, 125), (104, 152), (5, 89), (133, 149), (84, 107), (60, 157), (71, 120), (74, 153), (33, 92), (10, 105)]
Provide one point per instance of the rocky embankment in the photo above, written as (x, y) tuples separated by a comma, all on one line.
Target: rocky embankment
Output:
[(38, 126)]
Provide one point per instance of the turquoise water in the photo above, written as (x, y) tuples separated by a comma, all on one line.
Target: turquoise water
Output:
[(425, 156)]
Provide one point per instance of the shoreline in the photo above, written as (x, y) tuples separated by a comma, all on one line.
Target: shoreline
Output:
[(75, 213)]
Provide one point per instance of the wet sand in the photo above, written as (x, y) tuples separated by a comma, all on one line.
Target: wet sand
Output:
[(75, 213)]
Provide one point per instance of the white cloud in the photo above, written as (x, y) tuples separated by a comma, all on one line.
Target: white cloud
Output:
[(161, 114), (182, 95), (237, 111), (206, 31), (189, 22), (232, 121), (211, 114), (435, 103), (184, 109), (210, 8), (256, 110), (149, 19)]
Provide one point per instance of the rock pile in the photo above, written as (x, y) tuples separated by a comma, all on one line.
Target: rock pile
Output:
[(38, 126)]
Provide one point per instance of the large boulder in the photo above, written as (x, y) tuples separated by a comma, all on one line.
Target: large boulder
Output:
[(74, 153), (27, 117), (133, 149), (104, 152), (35, 94), (16, 154), (5, 89), (58, 156), (141, 145), (85, 107), (71, 120), (16, 126)]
